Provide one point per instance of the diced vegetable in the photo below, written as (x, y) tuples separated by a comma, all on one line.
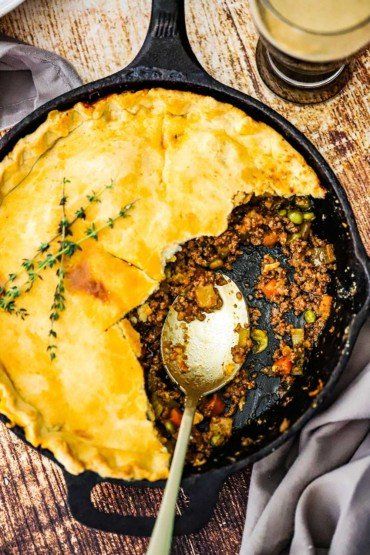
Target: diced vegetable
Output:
[(308, 216), (217, 440), (206, 296), (325, 305), (271, 266), (318, 256), (216, 263), (323, 255), (244, 336), (198, 417), (179, 278), (297, 335), (143, 312), (215, 405), (169, 427), (157, 406), (223, 251), (270, 289), (329, 252), (295, 216), (176, 417), (221, 425), (260, 340), (270, 239), (305, 230), (310, 316), (294, 237), (282, 212), (283, 365)]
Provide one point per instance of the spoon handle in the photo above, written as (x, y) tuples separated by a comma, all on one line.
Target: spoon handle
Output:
[(160, 542)]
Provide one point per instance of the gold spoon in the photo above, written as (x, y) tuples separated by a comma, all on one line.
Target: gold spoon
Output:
[(206, 349)]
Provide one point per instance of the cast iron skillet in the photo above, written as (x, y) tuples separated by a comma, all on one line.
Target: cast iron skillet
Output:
[(166, 60)]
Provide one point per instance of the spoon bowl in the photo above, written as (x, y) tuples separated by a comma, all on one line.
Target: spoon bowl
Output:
[(207, 362)]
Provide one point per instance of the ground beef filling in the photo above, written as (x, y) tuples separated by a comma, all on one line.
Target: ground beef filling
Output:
[(300, 286), (200, 298)]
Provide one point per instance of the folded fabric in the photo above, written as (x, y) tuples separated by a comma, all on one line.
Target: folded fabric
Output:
[(312, 495), (29, 77)]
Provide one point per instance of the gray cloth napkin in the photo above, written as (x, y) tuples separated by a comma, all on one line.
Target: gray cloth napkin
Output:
[(30, 77), (312, 495)]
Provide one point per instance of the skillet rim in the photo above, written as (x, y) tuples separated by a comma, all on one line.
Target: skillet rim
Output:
[(138, 78)]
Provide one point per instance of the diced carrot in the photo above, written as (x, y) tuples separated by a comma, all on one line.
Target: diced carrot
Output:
[(215, 405), (270, 289), (325, 305), (283, 365), (176, 416), (270, 239)]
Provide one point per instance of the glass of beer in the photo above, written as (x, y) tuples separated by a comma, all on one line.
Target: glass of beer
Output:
[(305, 45)]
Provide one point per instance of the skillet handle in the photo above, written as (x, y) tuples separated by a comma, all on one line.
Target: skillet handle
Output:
[(202, 491), (166, 45)]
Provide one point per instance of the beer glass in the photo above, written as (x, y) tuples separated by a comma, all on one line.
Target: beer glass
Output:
[(305, 45)]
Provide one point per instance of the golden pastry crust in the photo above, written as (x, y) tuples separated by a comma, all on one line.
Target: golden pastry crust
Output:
[(186, 160)]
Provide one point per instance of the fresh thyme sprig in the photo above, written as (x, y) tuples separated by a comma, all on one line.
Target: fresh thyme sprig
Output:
[(28, 265), (67, 248), (59, 301)]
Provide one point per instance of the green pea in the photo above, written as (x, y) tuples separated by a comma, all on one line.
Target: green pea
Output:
[(308, 216), (282, 212), (309, 316), (295, 217)]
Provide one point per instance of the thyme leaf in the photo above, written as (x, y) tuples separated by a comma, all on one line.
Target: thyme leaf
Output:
[(93, 197), (91, 232), (81, 213), (43, 247)]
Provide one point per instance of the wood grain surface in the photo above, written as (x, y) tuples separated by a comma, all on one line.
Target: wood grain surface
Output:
[(99, 37)]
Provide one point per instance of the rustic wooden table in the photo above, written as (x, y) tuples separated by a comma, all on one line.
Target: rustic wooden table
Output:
[(99, 38)]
